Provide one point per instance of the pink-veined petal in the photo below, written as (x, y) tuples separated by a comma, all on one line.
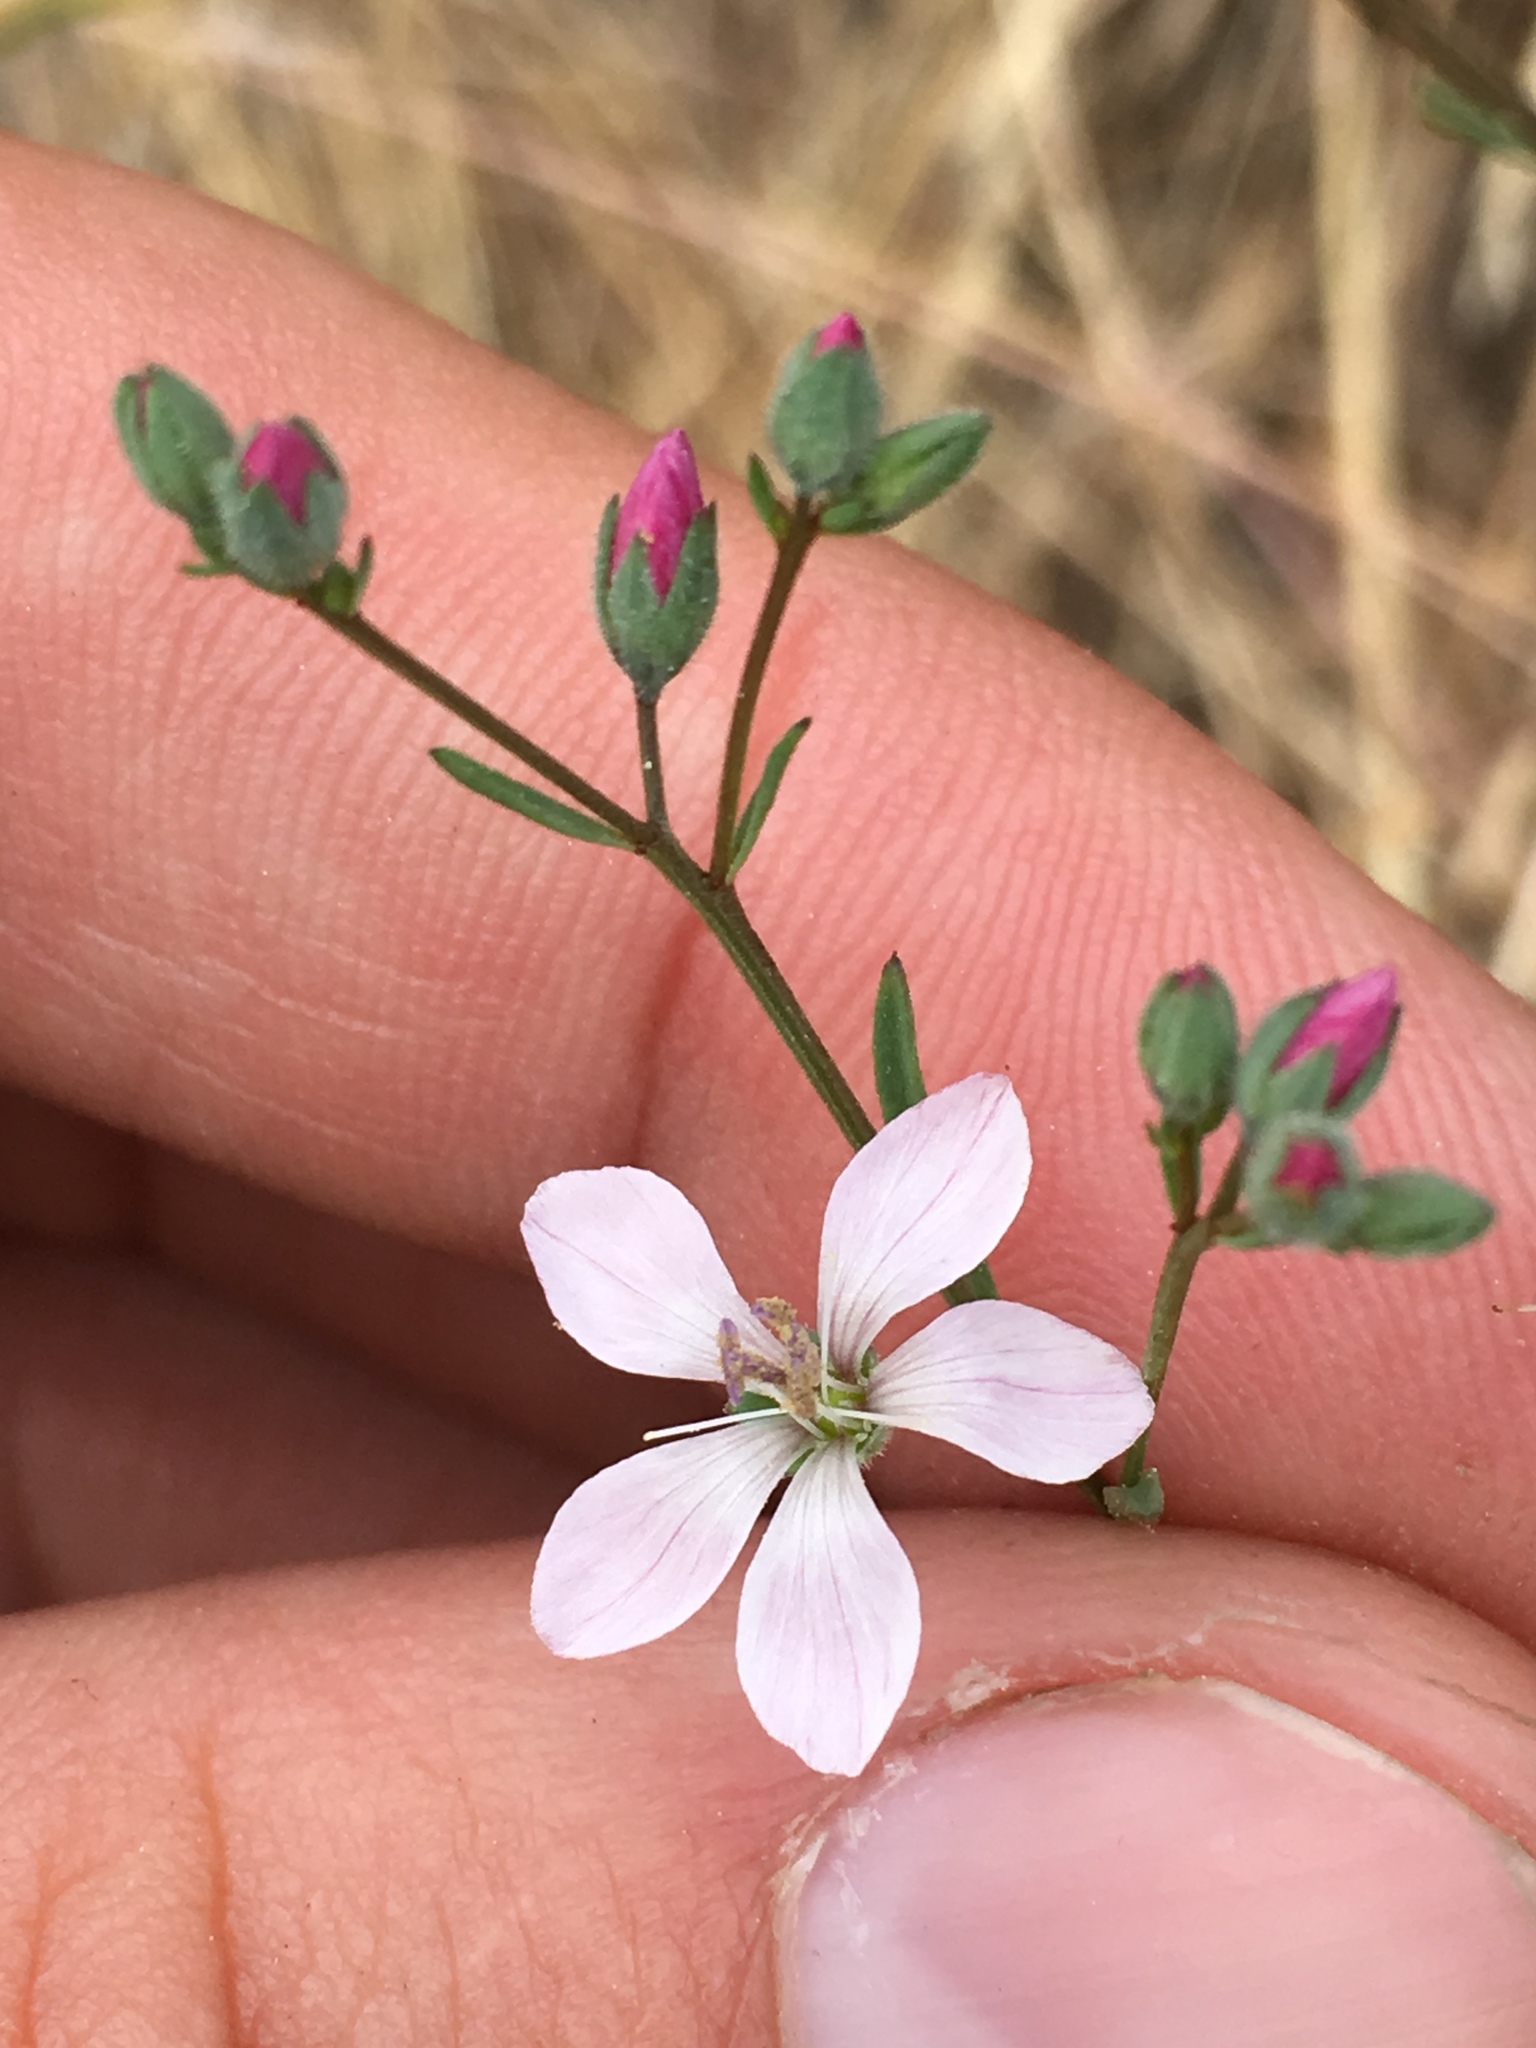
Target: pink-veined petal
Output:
[(827, 1636), (924, 1201), (631, 1272), (1033, 1395), (641, 1546)]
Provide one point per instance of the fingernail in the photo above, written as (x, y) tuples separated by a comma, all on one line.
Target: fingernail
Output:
[(1176, 1865)]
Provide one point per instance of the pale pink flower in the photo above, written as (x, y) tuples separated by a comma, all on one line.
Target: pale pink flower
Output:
[(829, 1622)]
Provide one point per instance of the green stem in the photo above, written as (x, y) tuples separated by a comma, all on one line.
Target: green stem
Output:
[(793, 549), (650, 762), (722, 911), (391, 655), (719, 906), (1184, 1254)]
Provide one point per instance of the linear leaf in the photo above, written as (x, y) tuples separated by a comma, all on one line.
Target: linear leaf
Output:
[(900, 1085), (898, 1071), (766, 502), (755, 816), (525, 800)]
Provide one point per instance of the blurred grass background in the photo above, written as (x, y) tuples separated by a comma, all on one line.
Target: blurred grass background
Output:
[(1257, 343)]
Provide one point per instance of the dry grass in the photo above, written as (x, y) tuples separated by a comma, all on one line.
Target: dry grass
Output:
[(1258, 345)]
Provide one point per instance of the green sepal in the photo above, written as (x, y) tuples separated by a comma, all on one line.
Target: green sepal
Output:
[(766, 502), (651, 638), (824, 416), (1238, 1232), (908, 470), (899, 1079), (761, 801), (525, 800), (1142, 1502), (263, 542), (1280, 1215), (339, 592), (1416, 1214), (1453, 114), (1187, 1042), (173, 436)]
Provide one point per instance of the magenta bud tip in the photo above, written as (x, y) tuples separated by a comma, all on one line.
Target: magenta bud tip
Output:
[(283, 456), (843, 332), (660, 506), (1309, 1168), (1355, 1018)]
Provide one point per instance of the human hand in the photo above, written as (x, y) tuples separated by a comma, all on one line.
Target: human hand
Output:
[(349, 1019)]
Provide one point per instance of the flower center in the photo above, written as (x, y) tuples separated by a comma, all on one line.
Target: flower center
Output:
[(777, 1362)]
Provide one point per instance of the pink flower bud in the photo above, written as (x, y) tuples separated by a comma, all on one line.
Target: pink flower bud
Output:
[(843, 332), (282, 455), (660, 505), (1354, 1017), (1309, 1168)]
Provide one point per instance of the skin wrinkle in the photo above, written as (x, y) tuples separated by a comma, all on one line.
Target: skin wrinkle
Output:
[(202, 1774)]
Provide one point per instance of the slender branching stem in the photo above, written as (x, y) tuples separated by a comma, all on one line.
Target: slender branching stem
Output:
[(399, 661), (1184, 1253), (793, 549), (653, 838)]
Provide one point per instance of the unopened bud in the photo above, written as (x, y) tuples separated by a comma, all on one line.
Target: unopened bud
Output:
[(824, 416), (175, 438), (1325, 1049), (1302, 1184), (1188, 1047), (281, 504), (1356, 1019), (657, 579)]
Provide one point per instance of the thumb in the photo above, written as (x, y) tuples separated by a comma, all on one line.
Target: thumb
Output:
[(1135, 1850), (361, 1802)]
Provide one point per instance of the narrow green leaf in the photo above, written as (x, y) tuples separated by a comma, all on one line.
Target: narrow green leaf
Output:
[(766, 502), (526, 801), (1461, 119), (898, 1072), (900, 1085), (755, 816)]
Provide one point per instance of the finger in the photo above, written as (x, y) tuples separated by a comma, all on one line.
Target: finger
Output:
[(247, 952), (152, 1434), (361, 1800)]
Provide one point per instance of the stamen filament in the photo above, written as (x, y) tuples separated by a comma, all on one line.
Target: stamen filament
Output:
[(653, 1436)]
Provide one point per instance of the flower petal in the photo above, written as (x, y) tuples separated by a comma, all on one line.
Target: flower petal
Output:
[(641, 1546), (925, 1201), (1034, 1395), (631, 1271), (827, 1636)]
